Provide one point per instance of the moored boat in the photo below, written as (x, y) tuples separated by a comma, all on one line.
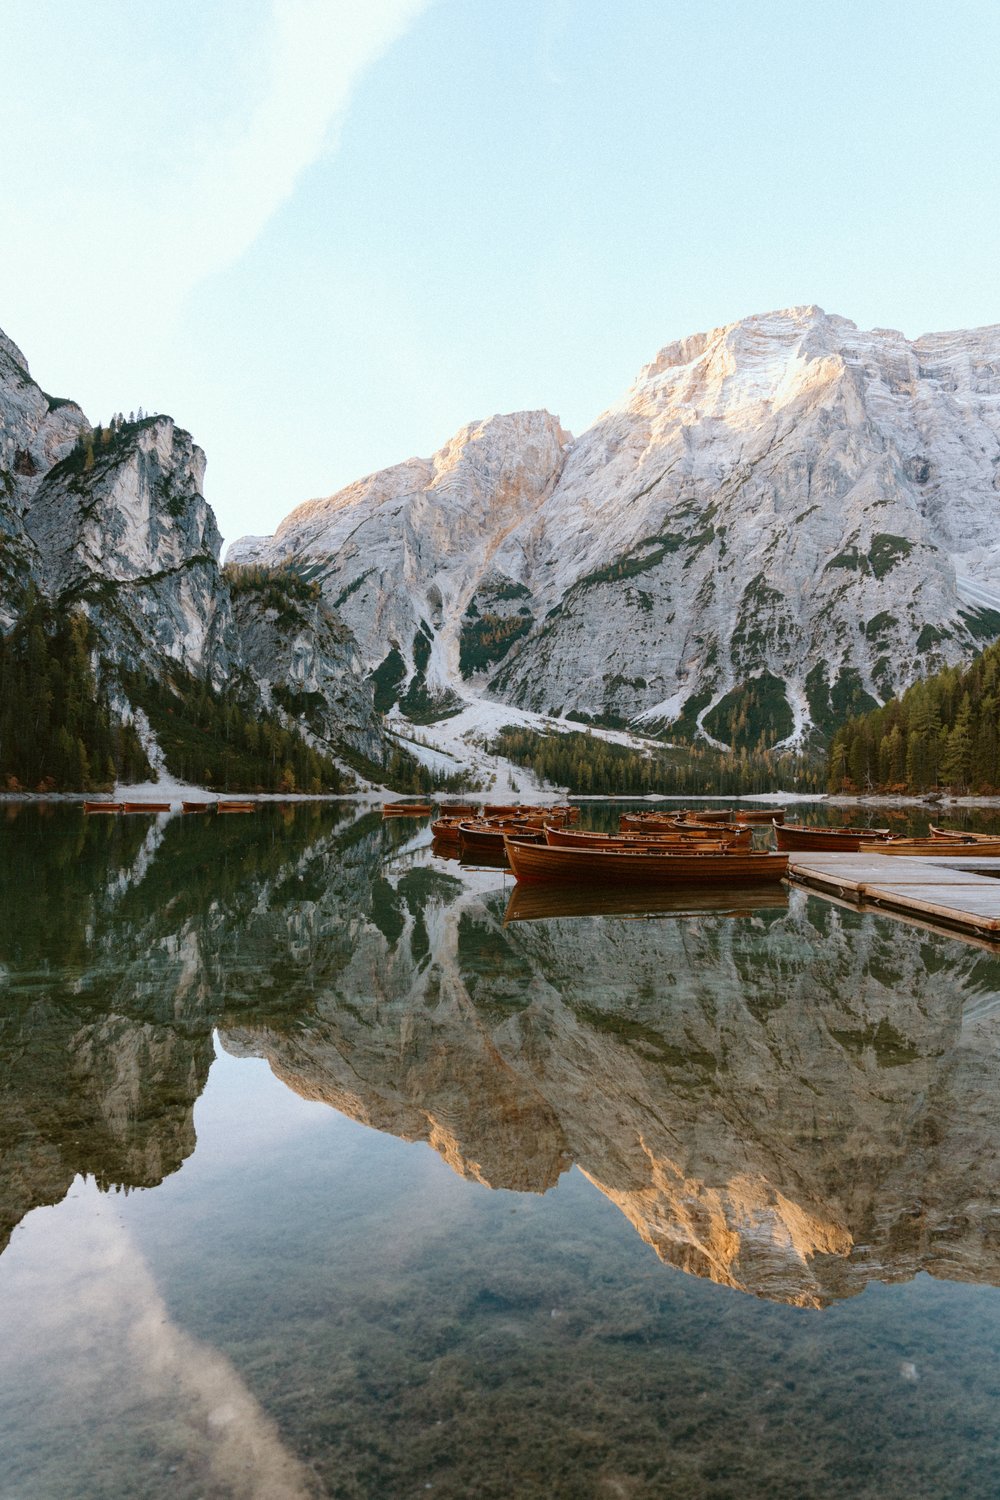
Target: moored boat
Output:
[(963, 835), (406, 809), (457, 810), (797, 837), (704, 814), (760, 814), (476, 837), (532, 862), (145, 807), (445, 830), (197, 807), (103, 807), (651, 825), (234, 807), (982, 848), (569, 838)]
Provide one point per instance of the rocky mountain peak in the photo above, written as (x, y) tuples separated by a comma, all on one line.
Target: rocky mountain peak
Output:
[(783, 519)]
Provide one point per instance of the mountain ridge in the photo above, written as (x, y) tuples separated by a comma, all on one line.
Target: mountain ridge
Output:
[(760, 536)]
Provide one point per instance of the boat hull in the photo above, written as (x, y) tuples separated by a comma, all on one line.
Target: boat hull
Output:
[(145, 807), (103, 807), (795, 838), (539, 863), (477, 840), (983, 849), (565, 838)]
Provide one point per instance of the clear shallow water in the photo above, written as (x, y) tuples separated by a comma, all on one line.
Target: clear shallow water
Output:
[(697, 1205)]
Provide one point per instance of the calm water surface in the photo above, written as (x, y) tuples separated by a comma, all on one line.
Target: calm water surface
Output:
[(325, 1169)]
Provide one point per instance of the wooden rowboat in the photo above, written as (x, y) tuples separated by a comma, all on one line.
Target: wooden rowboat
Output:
[(701, 814), (406, 809), (797, 837), (760, 814), (566, 838), (197, 807), (457, 810), (445, 830), (476, 837), (982, 848), (103, 807), (962, 834), (541, 862), (235, 807), (145, 807), (653, 826)]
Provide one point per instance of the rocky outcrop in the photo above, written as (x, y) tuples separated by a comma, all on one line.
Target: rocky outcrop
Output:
[(783, 520), (113, 521)]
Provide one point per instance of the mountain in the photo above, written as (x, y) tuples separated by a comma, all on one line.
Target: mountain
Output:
[(111, 523), (782, 521)]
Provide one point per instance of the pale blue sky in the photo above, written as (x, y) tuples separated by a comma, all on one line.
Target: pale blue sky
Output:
[(324, 234)]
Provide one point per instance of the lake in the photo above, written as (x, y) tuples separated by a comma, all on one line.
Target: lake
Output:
[(327, 1169)]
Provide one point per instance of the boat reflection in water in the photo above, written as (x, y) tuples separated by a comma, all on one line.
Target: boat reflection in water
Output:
[(535, 903)]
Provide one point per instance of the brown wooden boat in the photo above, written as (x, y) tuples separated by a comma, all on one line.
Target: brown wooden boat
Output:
[(145, 807), (982, 848), (103, 807), (476, 837), (235, 807), (963, 834), (541, 862), (445, 830), (703, 814), (799, 838), (569, 838), (760, 814), (457, 810), (669, 827), (197, 807), (546, 902), (406, 809)]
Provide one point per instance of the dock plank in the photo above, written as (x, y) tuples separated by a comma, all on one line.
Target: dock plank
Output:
[(961, 892)]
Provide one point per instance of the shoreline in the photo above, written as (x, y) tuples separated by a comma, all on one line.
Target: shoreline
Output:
[(176, 794)]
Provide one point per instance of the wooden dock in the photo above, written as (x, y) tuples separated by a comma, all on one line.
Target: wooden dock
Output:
[(957, 891)]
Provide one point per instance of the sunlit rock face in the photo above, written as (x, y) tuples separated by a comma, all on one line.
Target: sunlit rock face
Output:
[(771, 519), (120, 529)]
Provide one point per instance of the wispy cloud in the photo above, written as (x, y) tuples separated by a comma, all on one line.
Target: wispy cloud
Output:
[(320, 52), (145, 160)]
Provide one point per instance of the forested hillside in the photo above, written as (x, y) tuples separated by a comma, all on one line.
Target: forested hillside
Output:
[(585, 763), (942, 732)]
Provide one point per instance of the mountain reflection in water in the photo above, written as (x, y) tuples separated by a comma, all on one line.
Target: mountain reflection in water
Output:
[(780, 1095)]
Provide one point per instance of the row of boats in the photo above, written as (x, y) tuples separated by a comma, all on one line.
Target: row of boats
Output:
[(107, 807), (656, 849)]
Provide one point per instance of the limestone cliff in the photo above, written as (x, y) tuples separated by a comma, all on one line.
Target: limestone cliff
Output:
[(113, 521), (782, 520)]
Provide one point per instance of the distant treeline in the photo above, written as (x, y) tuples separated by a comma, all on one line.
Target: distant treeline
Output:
[(940, 732), (587, 763), (57, 732)]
